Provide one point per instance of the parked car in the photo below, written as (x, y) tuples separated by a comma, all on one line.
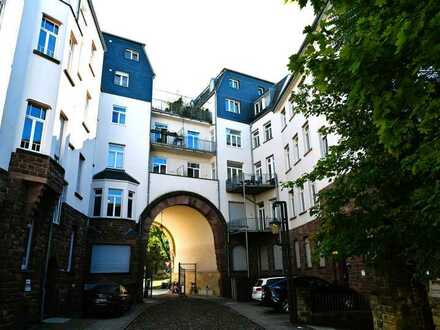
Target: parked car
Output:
[(107, 298), (257, 289), (276, 294)]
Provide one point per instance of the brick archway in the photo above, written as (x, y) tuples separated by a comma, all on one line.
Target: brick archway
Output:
[(202, 205)]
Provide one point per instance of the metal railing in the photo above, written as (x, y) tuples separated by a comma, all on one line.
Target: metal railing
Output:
[(179, 108), (250, 224), (184, 142), (183, 171), (251, 180)]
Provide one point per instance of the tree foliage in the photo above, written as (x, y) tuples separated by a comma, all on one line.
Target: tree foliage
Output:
[(375, 67), (158, 249)]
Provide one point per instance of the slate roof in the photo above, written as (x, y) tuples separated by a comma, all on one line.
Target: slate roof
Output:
[(114, 174)]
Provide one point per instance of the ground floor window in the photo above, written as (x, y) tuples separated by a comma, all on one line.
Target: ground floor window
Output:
[(239, 258), (110, 259), (27, 247)]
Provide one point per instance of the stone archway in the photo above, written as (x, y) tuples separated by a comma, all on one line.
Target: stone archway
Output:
[(207, 209)]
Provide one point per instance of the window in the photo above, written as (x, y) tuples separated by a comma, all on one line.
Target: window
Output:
[(115, 157), (287, 156), (270, 167), (264, 258), (302, 200), (255, 139), (323, 145), (292, 202), (239, 258), (130, 203), (233, 83), (114, 202), (71, 248), (260, 91), (110, 259), (321, 258), (159, 165), (33, 127), (131, 54), (296, 156), (297, 255), (313, 194), (213, 171), (192, 140), (193, 170), (283, 118), (27, 247), (81, 161), (48, 37), (121, 79), (267, 131), (118, 115), (278, 257), (261, 212), (232, 106), (63, 120), (56, 214), (97, 203), (233, 138), (306, 137), (71, 52), (92, 55), (258, 106), (258, 172), (308, 252), (237, 214), (234, 171)]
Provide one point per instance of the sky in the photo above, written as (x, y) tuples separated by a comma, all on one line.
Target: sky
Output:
[(188, 42)]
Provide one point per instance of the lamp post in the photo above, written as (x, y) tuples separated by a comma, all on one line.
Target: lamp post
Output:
[(281, 221)]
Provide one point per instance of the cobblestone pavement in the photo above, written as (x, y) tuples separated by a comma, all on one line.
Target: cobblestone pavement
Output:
[(194, 314)]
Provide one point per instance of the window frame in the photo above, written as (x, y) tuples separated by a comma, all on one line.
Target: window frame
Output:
[(234, 83), (130, 204), (113, 202), (302, 200), (48, 33), (306, 138), (24, 265), (236, 105), (195, 168), (120, 81), (308, 252), (97, 195), (231, 135), (268, 135), (31, 144), (283, 118), (81, 162), (116, 109), (256, 138), (323, 144), (287, 163), (292, 202), (71, 251), (260, 91), (117, 155), (131, 57), (160, 165), (71, 51), (296, 151)]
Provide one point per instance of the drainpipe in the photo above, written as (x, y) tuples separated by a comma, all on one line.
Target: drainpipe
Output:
[(46, 266)]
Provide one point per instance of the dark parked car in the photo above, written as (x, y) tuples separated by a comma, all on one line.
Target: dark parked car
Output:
[(107, 298), (275, 294)]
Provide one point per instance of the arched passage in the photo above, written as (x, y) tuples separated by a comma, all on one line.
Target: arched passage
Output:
[(208, 210)]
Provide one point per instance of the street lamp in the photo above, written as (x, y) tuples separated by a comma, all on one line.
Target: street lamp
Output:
[(280, 225)]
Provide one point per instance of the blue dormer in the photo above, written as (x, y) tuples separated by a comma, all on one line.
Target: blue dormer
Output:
[(236, 93), (126, 70)]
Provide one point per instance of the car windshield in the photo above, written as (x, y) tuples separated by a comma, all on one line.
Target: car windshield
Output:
[(273, 280)]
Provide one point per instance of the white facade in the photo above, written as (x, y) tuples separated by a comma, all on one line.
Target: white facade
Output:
[(50, 76)]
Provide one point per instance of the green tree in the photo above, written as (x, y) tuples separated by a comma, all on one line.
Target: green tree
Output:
[(375, 68), (158, 249)]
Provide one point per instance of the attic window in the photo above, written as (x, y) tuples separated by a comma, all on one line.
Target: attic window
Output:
[(131, 55)]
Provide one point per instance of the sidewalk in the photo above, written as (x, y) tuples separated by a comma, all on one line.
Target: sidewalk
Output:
[(265, 317), (118, 323)]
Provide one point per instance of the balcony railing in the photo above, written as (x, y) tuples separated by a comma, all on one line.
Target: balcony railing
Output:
[(179, 108), (250, 225), (183, 171), (182, 142), (251, 183)]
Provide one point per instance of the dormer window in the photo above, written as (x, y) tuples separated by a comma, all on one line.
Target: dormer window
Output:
[(234, 83), (131, 54), (260, 91), (258, 107)]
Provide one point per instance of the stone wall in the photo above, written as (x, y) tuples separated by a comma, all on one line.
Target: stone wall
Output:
[(435, 307)]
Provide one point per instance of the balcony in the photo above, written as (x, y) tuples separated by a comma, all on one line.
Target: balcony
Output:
[(251, 184), (179, 108), (172, 141), (250, 225)]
